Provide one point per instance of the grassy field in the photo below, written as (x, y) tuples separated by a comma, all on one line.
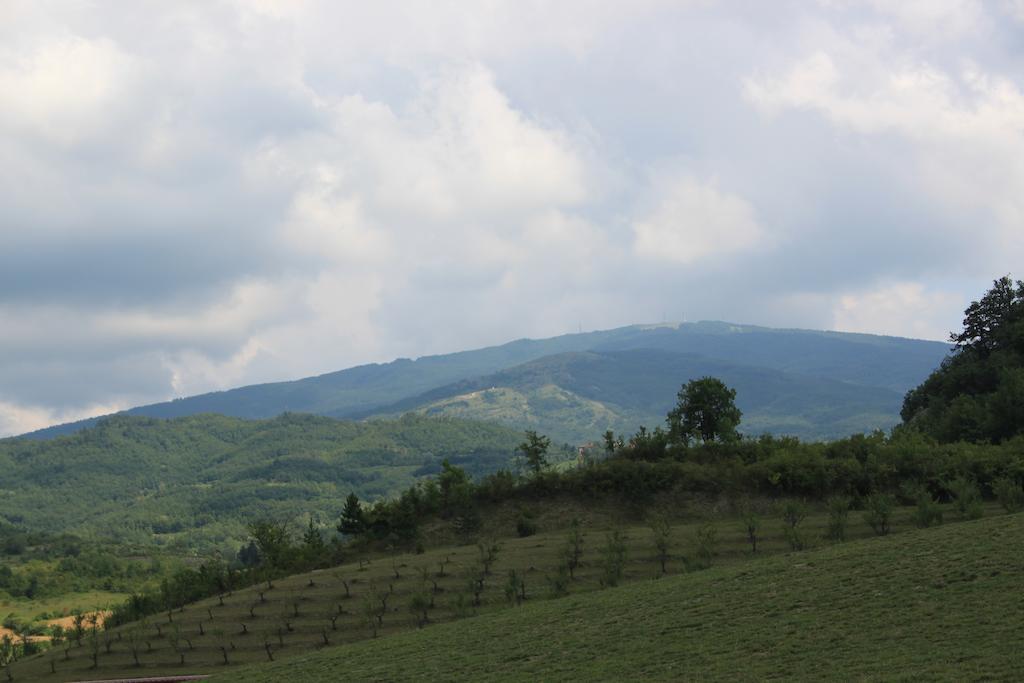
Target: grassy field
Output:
[(766, 616), (46, 609), (936, 604)]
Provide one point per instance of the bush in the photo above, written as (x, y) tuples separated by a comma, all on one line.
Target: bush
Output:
[(614, 559), (878, 512), (1009, 493), (838, 512), (793, 514), (707, 539), (525, 524), (927, 513), (966, 497)]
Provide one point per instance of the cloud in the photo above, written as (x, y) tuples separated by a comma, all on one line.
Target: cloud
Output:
[(694, 221), (906, 309), (198, 196)]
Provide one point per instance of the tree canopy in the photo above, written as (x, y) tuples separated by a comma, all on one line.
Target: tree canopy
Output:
[(706, 410), (977, 394)]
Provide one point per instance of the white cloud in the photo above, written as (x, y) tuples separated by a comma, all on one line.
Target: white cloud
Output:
[(196, 196), (965, 131), (18, 419), (694, 221), (906, 309), (64, 89)]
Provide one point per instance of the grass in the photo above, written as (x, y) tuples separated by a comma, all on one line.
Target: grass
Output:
[(936, 604), (24, 610), (759, 599)]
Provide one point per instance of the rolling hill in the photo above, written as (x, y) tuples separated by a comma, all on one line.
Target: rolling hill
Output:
[(193, 482), (575, 396), (861, 378)]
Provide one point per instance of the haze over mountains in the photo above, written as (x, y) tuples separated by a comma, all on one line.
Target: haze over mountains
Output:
[(573, 387)]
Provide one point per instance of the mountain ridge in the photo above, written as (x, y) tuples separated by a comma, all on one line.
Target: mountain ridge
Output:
[(893, 363)]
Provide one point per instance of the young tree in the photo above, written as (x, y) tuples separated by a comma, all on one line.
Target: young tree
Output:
[(751, 519), (705, 410), (614, 559), (878, 512), (273, 541), (966, 497), (707, 540), (353, 518), (1009, 493), (838, 512), (662, 537), (534, 451), (793, 514), (574, 547)]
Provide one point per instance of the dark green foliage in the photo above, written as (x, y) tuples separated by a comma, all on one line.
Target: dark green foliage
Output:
[(574, 547), (966, 497), (750, 517), (878, 509), (353, 519), (838, 513), (661, 532), (927, 511), (1009, 492), (704, 550), (192, 484), (793, 513), (526, 525), (978, 392), (706, 410), (613, 559), (534, 451)]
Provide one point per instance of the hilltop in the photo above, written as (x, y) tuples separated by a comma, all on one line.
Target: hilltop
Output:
[(556, 384)]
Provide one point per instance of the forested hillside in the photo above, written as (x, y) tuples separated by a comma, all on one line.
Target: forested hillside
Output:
[(862, 376), (575, 397), (194, 482)]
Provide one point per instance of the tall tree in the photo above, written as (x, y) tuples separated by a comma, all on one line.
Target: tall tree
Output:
[(706, 410), (977, 394), (535, 450), (353, 518)]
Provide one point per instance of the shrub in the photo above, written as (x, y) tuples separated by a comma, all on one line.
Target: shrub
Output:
[(1009, 493), (574, 547), (614, 559), (927, 513), (559, 583), (525, 524), (838, 512), (707, 539), (662, 536), (966, 497), (793, 513), (878, 512), (751, 520)]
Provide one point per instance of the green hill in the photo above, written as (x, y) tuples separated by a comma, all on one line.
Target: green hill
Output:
[(574, 397), (193, 482), (855, 360), (937, 604)]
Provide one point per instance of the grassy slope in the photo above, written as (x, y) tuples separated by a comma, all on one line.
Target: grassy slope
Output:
[(935, 604)]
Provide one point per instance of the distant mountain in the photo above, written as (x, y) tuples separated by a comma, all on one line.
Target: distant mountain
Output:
[(575, 396), (803, 382)]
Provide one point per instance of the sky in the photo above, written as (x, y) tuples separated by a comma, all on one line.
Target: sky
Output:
[(201, 195)]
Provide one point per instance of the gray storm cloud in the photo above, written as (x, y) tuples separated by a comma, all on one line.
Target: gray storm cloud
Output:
[(202, 195)]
